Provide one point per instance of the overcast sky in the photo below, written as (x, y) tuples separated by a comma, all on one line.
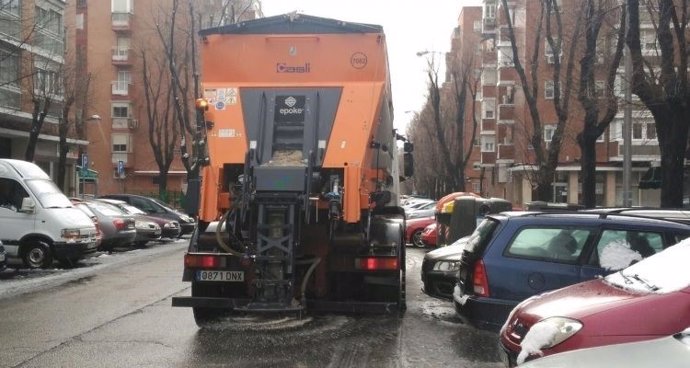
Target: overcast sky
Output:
[(410, 26)]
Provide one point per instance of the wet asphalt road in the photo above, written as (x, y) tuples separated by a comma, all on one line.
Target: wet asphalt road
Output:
[(115, 312)]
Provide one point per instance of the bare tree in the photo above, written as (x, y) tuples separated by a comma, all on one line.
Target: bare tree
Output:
[(598, 114), (545, 156), (662, 85)]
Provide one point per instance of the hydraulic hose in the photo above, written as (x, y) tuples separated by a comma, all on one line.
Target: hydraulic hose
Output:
[(314, 262), (220, 240)]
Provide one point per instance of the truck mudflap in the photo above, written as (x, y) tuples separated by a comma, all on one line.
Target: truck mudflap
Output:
[(315, 306)]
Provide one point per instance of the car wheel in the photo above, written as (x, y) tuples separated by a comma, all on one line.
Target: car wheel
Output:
[(37, 255), (417, 239)]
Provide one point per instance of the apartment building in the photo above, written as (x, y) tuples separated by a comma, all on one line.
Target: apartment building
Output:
[(505, 156), (112, 37), (34, 58)]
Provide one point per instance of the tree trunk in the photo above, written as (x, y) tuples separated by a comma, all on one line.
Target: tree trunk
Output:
[(588, 165)]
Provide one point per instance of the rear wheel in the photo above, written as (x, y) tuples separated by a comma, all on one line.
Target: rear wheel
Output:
[(205, 317), (36, 254), (417, 239)]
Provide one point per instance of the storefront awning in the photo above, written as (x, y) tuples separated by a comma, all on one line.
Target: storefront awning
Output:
[(651, 179)]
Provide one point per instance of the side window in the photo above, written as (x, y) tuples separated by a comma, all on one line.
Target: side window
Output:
[(11, 194), (549, 244), (143, 205), (617, 249)]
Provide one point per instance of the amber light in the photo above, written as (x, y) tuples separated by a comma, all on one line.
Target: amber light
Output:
[(376, 263), (201, 104), (201, 261)]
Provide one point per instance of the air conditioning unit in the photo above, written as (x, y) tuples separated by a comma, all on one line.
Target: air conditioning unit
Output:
[(133, 123)]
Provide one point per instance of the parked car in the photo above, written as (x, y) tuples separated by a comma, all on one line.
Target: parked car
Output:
[(669, 352), (84, 208), (424, 210), (648, 300), (440, 268), (414, 229), (515, 255), (3, 257), (170, 229), (157, 208), (119, 228), (430, 235)]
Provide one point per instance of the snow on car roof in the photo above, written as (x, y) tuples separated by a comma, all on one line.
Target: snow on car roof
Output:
[(664, 272)]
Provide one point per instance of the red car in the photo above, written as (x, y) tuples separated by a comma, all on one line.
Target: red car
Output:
[(429, 235), (415, 227), (648, 300)]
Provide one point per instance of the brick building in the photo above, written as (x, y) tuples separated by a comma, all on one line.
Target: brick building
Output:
[(505, 157)]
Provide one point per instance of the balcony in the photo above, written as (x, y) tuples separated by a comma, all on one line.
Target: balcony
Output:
[(489, 25), (120, 56), (120, 88), (125, 123), (121, 22)]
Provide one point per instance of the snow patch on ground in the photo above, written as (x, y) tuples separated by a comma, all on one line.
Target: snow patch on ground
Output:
[(438, 310)]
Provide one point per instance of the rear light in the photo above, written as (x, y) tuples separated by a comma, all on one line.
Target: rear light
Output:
[(120, 224), (479, 280), (202, 261), (376, 263)]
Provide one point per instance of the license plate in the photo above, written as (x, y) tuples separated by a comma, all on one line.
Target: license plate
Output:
[(231, 276)]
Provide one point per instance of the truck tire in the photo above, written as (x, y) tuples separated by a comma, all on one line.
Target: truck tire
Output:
[(36, 254), (205, 317)]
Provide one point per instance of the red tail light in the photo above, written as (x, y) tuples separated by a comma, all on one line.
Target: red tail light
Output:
[(480, 281), (120, 224), (201, 261), (376, 263)]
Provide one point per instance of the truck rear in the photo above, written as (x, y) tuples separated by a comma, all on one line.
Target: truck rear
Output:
[(298, 199)]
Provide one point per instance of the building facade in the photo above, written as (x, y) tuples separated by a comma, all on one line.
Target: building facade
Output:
[(505, 156)]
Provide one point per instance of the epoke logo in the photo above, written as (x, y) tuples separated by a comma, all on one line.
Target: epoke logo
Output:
[(290, 101)]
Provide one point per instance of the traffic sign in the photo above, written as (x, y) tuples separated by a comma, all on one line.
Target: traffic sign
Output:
[(120, 167)]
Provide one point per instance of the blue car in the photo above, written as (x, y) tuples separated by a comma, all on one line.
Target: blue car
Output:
[(515, 255)]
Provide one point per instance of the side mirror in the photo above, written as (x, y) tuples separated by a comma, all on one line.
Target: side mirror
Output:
[(28, 205), (408, 147), (408, 164)]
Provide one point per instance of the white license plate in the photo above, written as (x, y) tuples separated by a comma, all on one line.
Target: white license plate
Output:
[(231, 276)]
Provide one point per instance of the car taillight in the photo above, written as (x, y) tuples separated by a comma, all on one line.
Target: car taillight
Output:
[(120, 224), (376, 263), (201, 261), (479, 280)]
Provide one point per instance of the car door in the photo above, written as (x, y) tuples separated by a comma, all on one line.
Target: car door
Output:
[(13, 223), (536, 259)]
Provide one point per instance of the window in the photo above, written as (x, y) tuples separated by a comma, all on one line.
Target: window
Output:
[(549, 131), (10, 6), (644, 130), (120, 143), (549, 52), (120, 110), (549, 90), (489, 77), (562, 245), (121, 6), (477, 26), (490, 11), (49, 20), (488, 144), (9, 68), (11, 195), (505, 57), (488, 108), (617, 249), (47, 82)]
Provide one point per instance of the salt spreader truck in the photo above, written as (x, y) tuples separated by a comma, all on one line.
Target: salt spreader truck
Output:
[(298, 197)]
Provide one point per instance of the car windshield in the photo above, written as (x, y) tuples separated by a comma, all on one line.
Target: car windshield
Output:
[(663, 272), (48, 194)]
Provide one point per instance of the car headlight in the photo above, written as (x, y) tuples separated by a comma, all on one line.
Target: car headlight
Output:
[(169, 225), (71, 234), (446, 266), (547, 333)]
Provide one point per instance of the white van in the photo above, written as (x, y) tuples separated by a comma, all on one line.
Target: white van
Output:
[(38, 223)]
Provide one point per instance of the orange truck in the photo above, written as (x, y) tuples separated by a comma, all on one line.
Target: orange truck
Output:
[(298, 202)]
